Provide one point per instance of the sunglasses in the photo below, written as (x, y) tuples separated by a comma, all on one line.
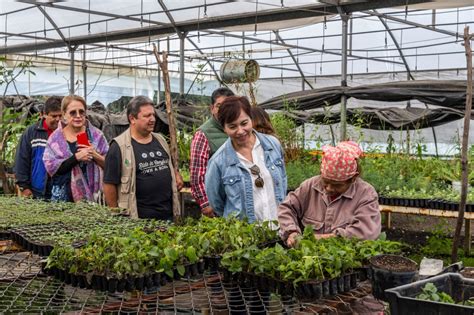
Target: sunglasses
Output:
[(80, 112), (255, 170)]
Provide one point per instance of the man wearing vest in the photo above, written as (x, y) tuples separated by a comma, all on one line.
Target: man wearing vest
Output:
[(31, 176), (139, 175), (209, 137)]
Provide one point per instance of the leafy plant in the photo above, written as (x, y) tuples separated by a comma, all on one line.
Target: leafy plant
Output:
[(439, 243), (291, 137), (311, 259), (299, 170), (139, 251), (431, 293)]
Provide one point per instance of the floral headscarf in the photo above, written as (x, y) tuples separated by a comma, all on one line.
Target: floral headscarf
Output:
[(339, 163)]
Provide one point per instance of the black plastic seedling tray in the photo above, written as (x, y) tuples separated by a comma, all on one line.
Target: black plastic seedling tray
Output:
[(436, 204), (403, 299)]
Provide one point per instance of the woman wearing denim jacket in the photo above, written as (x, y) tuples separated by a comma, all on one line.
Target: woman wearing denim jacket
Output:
[(246, 177)]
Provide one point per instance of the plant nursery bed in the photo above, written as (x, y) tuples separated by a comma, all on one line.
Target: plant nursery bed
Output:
[(308, 290), (126, 283), (212, 262), (5, 235), (437, 204), (403, 300), (36, 247)]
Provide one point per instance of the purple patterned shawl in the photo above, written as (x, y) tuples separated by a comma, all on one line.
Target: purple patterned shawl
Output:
[(57, 151)]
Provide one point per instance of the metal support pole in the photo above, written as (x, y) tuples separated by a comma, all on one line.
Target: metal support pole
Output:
[(351, 29), (84, 73), (345, 19), (182, 37), (72, 50), (29, 84), (158, 96)]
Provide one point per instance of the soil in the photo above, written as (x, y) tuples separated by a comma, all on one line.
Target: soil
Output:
[(416, 238), (415, 230), (394, 263), (421, 223)]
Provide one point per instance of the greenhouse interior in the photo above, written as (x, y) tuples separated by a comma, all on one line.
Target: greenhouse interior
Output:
[(236, 157)]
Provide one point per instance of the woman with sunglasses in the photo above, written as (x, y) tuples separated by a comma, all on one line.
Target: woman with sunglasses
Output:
[(336, 203), (246, 177), (75, 155)]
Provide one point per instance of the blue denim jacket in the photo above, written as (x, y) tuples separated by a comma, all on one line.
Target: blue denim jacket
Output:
[(229, 183)]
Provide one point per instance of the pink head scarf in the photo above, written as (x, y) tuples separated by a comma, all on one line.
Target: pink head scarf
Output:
[(340, 162)]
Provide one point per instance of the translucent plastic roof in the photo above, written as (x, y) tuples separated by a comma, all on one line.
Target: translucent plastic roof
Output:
[(297, 38)]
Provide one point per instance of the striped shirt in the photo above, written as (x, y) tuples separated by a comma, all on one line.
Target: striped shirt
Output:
[(200, 154)]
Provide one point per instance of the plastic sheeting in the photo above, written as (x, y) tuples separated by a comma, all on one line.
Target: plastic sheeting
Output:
[(391, 118), (451, 94), (307, 37)]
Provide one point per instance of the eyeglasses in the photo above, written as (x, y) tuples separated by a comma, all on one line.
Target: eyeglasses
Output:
[(80, 112), (255, 170)]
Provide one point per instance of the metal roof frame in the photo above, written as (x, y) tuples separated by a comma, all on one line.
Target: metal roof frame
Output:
[(211, 23), (214, 26)]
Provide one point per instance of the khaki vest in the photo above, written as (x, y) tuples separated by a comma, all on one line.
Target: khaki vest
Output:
[(126, 189)]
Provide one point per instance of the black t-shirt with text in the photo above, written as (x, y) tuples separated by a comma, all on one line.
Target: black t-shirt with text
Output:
[(153, 178)]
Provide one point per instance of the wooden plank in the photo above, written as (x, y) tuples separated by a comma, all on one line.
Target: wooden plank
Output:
[(425, 211), (185, 190), (389, 220)]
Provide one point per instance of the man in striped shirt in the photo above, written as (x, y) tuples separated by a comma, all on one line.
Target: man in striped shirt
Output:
[(206, 141)]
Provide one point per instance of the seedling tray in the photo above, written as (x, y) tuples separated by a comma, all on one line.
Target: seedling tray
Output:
[(127, 283), (437, 204), (403, 299), (27, 238), (5, 235), (24, 289), (213, 262), (308, 290)]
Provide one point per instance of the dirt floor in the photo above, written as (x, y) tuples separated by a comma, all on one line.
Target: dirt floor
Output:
[(423, 223), (414, 229)]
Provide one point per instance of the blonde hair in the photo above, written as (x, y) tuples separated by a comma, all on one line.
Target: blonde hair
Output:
[(68, 99)]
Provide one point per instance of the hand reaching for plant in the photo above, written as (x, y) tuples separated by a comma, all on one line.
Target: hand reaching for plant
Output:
[(292, 239), (27, 193), (208, 212)]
